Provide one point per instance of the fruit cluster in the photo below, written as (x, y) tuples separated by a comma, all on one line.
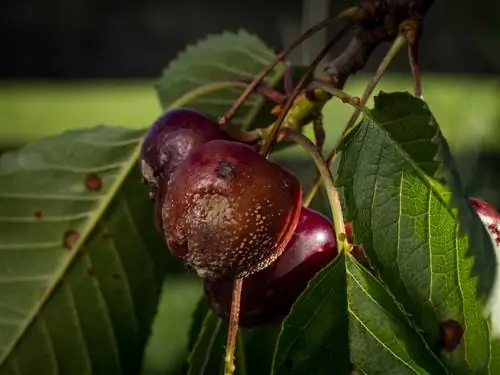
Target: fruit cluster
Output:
[(228, 212)]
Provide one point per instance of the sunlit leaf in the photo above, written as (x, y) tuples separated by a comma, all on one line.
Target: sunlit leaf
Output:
[(411, 235)]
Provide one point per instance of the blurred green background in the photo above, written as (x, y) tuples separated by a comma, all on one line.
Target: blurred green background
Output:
[(467, 108)]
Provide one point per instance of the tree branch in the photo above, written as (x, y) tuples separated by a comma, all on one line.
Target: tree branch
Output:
[(383, 25)]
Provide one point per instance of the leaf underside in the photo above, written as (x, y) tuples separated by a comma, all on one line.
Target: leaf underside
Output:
[(80, 263), (408, 230)]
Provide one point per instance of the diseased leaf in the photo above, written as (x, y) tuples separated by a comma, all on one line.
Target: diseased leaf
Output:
[(81, 265), (411, 235), (222, 57), (410, 123), (314, 335)]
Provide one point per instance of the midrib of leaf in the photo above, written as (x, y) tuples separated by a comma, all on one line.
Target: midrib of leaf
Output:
[(437, 191), (87, 229)]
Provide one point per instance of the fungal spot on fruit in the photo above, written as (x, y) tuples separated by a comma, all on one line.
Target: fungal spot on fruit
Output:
[(38, 214), (451, 334), (93, 182), (70, 239), (288, 363), (494, 229), (225, 171)]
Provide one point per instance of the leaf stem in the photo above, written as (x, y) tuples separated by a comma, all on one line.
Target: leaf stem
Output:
[(268, 142), (413, 55), (327, 178), (396, 46)]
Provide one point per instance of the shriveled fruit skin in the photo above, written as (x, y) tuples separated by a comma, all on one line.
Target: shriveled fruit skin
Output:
[(228, 212), (170, 139), (268, 295), (489, 216)]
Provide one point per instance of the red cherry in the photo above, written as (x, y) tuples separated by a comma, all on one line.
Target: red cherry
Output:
[(268, 295), (489, 216), (229, 212), (169, 140)]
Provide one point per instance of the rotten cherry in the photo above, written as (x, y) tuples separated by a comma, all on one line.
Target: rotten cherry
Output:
[(229, 212), (268, 295)]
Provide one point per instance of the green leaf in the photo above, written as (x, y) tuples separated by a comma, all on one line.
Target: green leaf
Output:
[(411, 235), (81, 265), (410, 123), (259, 344), (207, 356), (314, 335), (197, 320), (223, 57), (347, 319), (382, 339)]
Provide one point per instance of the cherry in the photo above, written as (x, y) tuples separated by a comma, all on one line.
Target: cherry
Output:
[(229, 212), (268, 295), (489, 216), (170, 139)]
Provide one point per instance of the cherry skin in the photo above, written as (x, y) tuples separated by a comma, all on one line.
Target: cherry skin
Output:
[(170, 139), (268, 295), (229, 212), (489, 216)]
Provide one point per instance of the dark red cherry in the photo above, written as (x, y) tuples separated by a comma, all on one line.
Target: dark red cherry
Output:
[(489, 216), (229, 212), (268, 295), (170, 139)]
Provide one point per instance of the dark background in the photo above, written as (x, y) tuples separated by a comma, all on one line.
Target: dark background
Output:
[(71, 39)]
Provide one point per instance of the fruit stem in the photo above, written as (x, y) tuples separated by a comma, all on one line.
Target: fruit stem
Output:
[(233, 327), (396, 46), (327, 178), (413, 55), (355, 12), (268, 142)]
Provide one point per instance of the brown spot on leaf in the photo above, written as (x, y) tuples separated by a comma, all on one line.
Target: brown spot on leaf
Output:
[(70, 239), (38, 214), (451, 334), (91, 271), (93, 182), (116, 276), (106, 235)]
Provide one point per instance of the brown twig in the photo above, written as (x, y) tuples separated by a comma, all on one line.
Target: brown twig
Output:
[(355, 12), (268, 142)]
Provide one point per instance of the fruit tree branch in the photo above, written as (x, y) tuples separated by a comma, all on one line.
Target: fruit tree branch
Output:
[(387, 18)]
